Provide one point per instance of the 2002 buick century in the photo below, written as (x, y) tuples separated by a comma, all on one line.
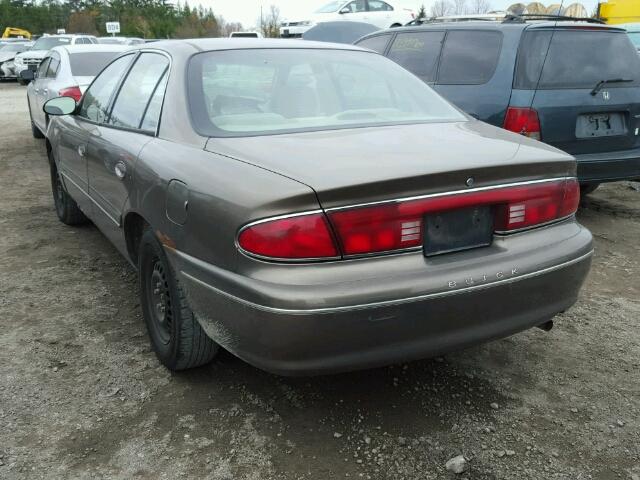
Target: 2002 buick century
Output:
[(313, 207)]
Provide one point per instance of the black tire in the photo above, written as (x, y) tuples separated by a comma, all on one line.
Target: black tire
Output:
[(66, 207), (587, 188), (176, 336), (22, 82), (36, 131)]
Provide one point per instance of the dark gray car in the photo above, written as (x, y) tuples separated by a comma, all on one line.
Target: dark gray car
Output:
[(573, 85), (312, 207)]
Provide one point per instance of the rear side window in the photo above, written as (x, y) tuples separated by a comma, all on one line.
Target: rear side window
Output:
[(379, 6), (469, 57), (52, 69), (418, 52), (576, 59), (137, 89), (89, 64), (377, 44)]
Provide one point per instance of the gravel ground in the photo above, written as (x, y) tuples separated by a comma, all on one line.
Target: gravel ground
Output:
[(83, 396)]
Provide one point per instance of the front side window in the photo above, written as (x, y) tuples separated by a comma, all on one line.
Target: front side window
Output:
[(137, 89), (595, 56), (329, 7), (95, 101), (357, 6), (469, 57), (418, 52), (379, 6), (240, 92), (377, 43)]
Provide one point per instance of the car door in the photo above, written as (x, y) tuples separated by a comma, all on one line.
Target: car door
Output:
[(355, 11), (38, 85), (47, 83), (114, 145), (76, 129), (379, 14)]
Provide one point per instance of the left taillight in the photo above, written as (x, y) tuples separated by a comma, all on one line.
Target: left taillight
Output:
[(300, 237), (73, 92)]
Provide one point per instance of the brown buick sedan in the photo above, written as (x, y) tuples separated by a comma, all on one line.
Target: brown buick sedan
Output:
[(313, 207)]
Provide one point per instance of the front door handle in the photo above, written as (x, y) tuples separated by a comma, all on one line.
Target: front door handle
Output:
[(120, 170), (81, 150), (45, 91)]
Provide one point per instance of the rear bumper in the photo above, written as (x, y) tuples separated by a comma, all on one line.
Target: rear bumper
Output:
[(322, 336), (609, 166)]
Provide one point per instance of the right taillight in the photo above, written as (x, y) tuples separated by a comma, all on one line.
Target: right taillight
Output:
[(524, 121), (399, 225)]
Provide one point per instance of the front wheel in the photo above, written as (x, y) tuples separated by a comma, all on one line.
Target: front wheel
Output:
[(176, 336)]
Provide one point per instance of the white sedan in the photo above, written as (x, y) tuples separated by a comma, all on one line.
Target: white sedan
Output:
[(64, 71), (382, 14)]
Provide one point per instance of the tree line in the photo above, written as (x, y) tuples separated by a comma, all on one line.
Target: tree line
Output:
[(138, 18)]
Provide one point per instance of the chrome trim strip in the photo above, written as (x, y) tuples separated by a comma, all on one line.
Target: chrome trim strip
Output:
[(92, 199), (384, 303), (452, 192)]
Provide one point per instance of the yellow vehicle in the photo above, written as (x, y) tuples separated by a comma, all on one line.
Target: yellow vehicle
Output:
[(13, 32), (619, 11)]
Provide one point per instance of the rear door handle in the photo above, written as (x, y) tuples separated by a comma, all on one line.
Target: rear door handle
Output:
[(81, 150)]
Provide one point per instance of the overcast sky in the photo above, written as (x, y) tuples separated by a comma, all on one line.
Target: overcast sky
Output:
[(247, 11)]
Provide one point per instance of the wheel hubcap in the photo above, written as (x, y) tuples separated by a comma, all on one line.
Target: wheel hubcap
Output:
[(160, 301)]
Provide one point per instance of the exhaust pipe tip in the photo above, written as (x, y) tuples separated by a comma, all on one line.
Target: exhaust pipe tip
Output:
[(547, 326)]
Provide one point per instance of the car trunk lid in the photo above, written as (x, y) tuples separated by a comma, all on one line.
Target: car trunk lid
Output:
[(353, 166)]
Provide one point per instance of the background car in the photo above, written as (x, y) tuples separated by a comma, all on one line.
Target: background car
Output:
[(121, 40), (380, 13), (32, 58), (583, 97), (395, 226), (245, 35), (339, 32), (65, 71), (7, 54)]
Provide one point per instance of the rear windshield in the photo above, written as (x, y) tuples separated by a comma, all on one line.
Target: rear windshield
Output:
[(253, 92), (89, 64), (47, 43), (576, 59)]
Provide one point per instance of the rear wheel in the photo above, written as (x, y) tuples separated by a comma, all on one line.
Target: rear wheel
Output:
[(66, 207), (35, 131), (176, 336), (587, 188)]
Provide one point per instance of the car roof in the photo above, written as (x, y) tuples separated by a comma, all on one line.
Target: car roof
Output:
[(498, 25), (241, 43), (94, 47)]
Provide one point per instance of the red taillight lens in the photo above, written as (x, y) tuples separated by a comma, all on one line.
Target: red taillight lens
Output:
[(396, 226), (399, 225), (295, 238), (524, 121), (73, 92)]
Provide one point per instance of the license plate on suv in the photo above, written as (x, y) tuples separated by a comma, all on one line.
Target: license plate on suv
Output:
[(600, 125), (458, 230)]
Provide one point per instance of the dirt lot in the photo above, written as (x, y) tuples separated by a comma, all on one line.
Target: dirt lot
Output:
[(83, 396)]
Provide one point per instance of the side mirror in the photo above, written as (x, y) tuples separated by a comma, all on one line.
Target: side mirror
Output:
[(60, 106), (345, 10), (27, 75)]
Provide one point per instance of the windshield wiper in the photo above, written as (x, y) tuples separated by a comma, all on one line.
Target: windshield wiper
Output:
[(602, 83)]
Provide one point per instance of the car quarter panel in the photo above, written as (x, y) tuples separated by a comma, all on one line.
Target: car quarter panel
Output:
[(223, 195)]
